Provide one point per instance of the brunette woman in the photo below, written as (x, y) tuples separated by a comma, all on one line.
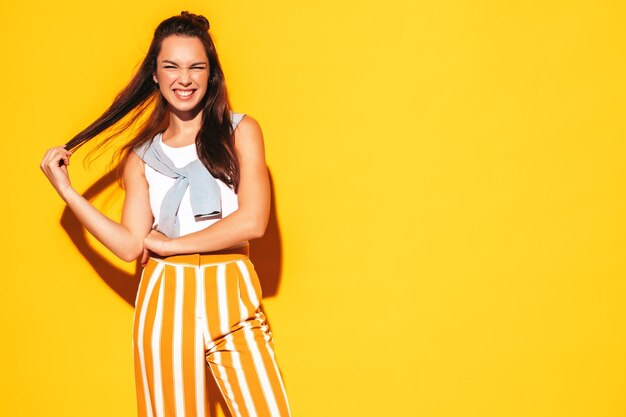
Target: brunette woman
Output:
[(196, 191)]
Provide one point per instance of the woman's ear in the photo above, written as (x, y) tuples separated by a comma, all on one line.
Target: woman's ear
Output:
[(155, 78)]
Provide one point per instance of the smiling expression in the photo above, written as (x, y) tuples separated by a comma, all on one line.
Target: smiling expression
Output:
[(182, 72)]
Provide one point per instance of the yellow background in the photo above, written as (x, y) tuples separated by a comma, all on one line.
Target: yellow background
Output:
[(449, 200)]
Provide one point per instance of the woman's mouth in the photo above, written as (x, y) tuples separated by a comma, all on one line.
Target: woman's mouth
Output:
[(184, 94)]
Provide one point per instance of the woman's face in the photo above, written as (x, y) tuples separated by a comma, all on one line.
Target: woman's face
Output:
[(182, 72)]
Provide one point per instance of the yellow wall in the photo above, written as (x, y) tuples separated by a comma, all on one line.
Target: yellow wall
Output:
[(449, 200)]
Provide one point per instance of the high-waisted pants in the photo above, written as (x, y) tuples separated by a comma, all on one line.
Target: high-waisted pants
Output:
[(198, 310)]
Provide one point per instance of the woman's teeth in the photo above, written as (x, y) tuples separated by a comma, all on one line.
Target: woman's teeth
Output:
[(184, 93)]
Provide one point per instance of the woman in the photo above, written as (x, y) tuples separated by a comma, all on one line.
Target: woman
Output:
[(197, 190)]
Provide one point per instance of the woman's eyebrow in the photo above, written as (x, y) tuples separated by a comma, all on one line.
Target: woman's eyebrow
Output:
[(172, 62)]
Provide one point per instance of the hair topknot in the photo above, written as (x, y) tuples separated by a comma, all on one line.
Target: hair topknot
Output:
[(198, 19)]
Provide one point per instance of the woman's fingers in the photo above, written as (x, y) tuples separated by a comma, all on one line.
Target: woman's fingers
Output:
[(54, 155), (64, 154), (56, 171), (145, 256)]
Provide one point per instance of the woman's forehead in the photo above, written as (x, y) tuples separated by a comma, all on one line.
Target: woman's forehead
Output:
[(182, 50)]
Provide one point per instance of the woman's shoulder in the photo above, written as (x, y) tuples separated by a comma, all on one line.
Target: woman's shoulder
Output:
[(248, 134), (244, 121), (236, 118), (141, 148)]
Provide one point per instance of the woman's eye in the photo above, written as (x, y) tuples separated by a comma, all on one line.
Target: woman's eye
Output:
[(169, 66)]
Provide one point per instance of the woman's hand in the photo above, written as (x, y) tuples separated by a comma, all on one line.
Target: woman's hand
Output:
[(158, 243), (57, 174), (145, 256)]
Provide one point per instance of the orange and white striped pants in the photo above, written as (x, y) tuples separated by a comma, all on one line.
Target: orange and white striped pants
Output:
[(195, 310)]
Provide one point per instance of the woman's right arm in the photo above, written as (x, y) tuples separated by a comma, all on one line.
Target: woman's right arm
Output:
[(124, 239)]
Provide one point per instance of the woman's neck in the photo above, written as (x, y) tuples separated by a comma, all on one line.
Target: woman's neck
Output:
[(183, 128)]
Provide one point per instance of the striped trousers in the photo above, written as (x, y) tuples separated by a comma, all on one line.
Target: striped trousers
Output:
[(199, 310)]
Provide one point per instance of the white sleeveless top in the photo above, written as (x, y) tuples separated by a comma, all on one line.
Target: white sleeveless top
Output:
[(159, 184)]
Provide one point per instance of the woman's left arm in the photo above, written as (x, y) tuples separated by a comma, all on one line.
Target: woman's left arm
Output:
[(249, 220)]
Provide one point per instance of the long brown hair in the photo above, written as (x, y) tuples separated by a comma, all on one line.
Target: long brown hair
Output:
[(214, 141)]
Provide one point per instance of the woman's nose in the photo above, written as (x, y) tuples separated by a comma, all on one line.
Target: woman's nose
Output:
[(184, 77)]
